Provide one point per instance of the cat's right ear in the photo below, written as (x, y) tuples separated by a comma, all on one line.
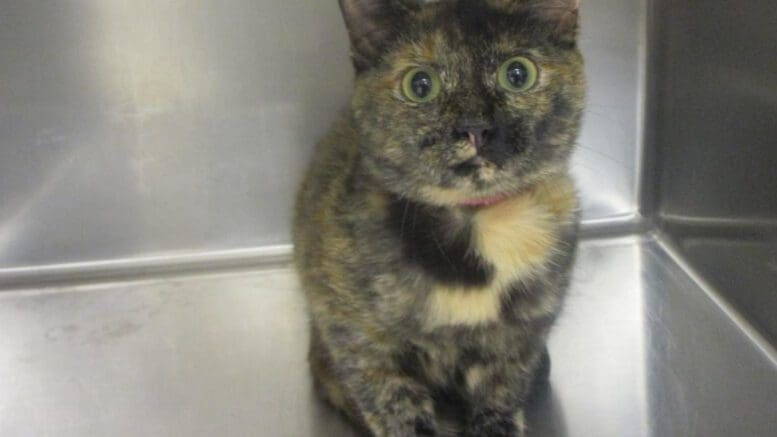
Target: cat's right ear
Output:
[(371, 26)]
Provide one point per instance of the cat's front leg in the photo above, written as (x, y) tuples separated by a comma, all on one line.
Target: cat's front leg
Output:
[(496, 423), (393, 405), (372, 388), (498, 393)]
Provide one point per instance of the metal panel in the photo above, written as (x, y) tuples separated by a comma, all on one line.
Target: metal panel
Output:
[(607, 163), (131, 128), (715, 127), (717, 110), (139, 128)]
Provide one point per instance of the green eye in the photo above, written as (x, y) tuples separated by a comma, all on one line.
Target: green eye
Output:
[(518, 74), (421, 85)]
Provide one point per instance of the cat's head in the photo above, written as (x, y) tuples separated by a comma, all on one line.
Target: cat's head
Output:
[(458, 101)]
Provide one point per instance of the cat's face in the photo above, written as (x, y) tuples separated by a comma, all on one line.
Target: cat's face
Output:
[(463, 101)]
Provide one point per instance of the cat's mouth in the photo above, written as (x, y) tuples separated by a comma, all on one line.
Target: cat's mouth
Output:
[(482, 172), (468, 167), (478, 168), (476, 188)]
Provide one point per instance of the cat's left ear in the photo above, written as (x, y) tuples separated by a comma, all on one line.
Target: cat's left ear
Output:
[(562, 15)]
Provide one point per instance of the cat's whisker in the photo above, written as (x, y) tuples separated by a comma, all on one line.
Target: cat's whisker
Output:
[(586, 167), (600, 153)]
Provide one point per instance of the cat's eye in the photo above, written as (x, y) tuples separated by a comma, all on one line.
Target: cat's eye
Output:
[(518, 74), (421, 85)]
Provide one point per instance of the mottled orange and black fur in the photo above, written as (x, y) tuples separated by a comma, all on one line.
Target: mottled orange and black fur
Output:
[(411, 291)]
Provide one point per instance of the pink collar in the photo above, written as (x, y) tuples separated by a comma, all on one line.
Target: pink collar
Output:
[(485, 201)]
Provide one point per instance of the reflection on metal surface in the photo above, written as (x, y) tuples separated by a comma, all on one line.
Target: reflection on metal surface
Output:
[(641, 350), (135, 129), (709, 373), (606, 161)]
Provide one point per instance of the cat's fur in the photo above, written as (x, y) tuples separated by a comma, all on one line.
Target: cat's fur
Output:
[(410, 292)]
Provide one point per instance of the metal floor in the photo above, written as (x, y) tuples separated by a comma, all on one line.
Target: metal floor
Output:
[(642, 349)]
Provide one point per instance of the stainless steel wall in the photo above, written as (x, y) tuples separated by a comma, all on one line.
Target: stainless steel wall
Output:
[(157, 133), (139, 128), (715, 127)]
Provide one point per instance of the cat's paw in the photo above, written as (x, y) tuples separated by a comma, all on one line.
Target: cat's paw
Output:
[(425, 425), (409, 424), (492, 423), (408, 411)]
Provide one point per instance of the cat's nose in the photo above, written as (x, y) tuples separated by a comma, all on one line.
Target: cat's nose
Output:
[(476, 134)]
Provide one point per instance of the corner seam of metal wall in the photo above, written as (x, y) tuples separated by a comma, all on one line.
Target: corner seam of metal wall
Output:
[(666, 244), (643, 100), (263, 257)]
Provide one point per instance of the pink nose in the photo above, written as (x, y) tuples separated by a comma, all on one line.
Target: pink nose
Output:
[(475, 134), (473, 139)]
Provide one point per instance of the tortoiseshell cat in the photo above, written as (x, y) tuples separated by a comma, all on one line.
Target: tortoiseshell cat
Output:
[(436, 226)]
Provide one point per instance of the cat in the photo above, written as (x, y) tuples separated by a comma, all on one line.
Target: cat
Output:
[(435, 229)]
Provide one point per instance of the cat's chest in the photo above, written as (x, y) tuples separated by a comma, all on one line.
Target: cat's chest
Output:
[(515, 239)]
